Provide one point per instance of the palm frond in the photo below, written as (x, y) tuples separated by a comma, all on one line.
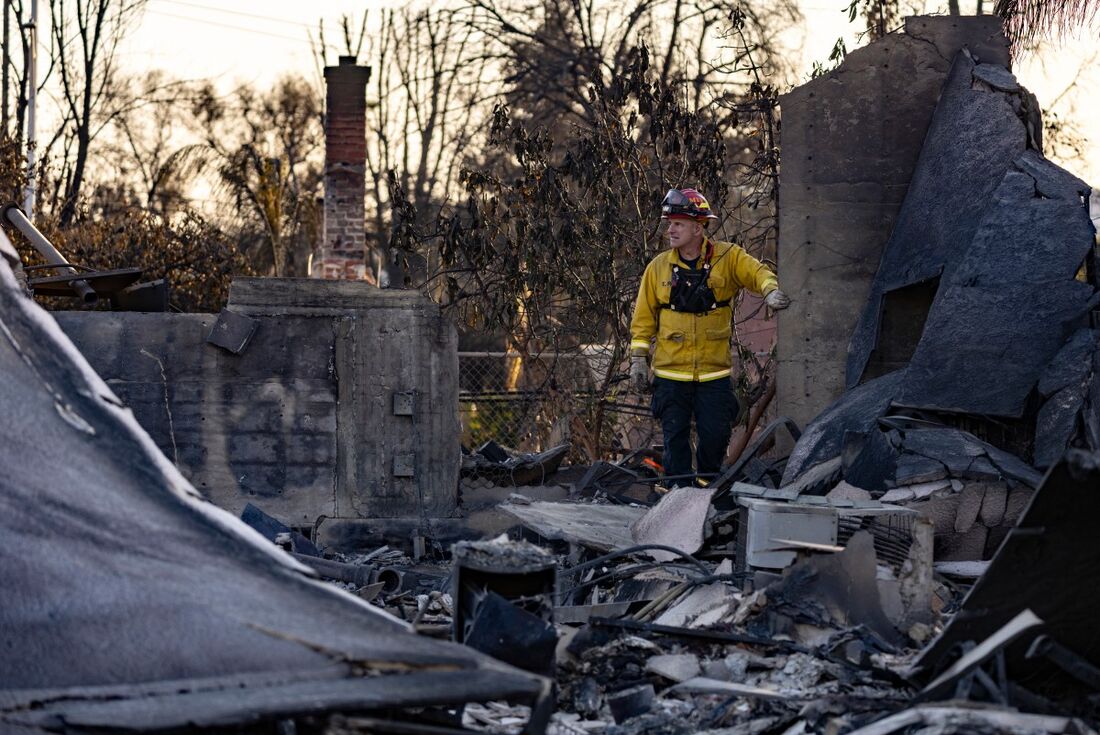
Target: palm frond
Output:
[(1026, 21)]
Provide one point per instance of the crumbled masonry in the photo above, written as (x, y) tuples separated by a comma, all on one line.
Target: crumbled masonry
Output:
[(141, 606)]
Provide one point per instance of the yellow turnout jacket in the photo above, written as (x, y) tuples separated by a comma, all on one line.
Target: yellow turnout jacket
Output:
[(694, 346)]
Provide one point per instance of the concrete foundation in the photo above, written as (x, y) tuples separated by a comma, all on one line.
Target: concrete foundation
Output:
[(344, 404), (851, 140)]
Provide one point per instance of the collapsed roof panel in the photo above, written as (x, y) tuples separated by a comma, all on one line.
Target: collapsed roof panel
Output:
[(857, 410), (983, 348), (975, 135), (1011, 300), (119, 576), (1037, 228), (1073, 363), (1070, 386)]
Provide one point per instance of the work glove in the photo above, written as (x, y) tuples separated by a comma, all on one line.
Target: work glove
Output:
[(777, 300), (639, 373)]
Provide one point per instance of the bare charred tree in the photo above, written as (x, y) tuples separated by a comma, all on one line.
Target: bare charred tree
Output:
[(425, 109), (265, 152), (549, 54), (148, 150), (85, 35), (882, 16), (562, 213)]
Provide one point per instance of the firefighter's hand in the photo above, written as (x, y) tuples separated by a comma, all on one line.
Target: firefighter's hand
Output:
[(639, 373), (777, 300)]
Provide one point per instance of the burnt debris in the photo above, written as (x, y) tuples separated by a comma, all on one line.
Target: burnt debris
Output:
[(920, 561)]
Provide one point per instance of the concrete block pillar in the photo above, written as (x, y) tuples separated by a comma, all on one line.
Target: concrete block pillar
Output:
[(851, 139), (343, 253)]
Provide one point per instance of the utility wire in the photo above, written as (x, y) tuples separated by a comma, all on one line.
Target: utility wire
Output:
[(242, 14), (227, 25)]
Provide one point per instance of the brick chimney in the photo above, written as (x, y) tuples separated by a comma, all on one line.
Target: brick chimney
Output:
[(343, 252)]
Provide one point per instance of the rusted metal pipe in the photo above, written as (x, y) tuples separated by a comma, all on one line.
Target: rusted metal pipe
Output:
[(754, 420), (15, 216), (358, 574)]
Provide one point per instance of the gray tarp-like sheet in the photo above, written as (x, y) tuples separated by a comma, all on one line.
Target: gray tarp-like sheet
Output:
[(975, 135), (857, 410), (1005, 231), (1002, 314), (131, 602)]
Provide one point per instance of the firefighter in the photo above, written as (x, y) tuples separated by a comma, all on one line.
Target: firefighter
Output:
[(685, 310)]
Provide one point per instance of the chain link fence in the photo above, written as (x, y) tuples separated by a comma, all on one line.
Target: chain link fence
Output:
[(533, 403)]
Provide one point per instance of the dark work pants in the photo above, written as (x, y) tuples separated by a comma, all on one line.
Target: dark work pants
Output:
[(714, 408)]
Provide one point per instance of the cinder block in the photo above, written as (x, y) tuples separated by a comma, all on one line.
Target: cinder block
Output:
[(969, 546)]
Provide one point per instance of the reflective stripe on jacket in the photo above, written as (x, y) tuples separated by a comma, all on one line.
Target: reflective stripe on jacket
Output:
[(694, 346)]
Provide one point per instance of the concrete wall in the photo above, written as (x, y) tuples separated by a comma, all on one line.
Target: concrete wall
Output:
[(304, 422), (850, 143)]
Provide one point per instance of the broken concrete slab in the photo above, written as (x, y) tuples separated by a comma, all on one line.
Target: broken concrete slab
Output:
[(232, 331), (165, 610), (915, 577), (970, 505), (919, 491), (678, 520), (700, 600), (846, 491), (676, 667), (600, 527), (994, 502)]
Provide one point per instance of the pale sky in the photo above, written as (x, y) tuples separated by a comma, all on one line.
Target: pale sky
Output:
[(259, 40)]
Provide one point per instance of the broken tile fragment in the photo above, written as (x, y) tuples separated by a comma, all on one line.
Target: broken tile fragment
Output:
[(674, 667), (970, 505), (993, 504)]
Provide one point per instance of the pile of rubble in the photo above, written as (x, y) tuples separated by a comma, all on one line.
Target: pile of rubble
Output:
[(908, 566), (922, 560)]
